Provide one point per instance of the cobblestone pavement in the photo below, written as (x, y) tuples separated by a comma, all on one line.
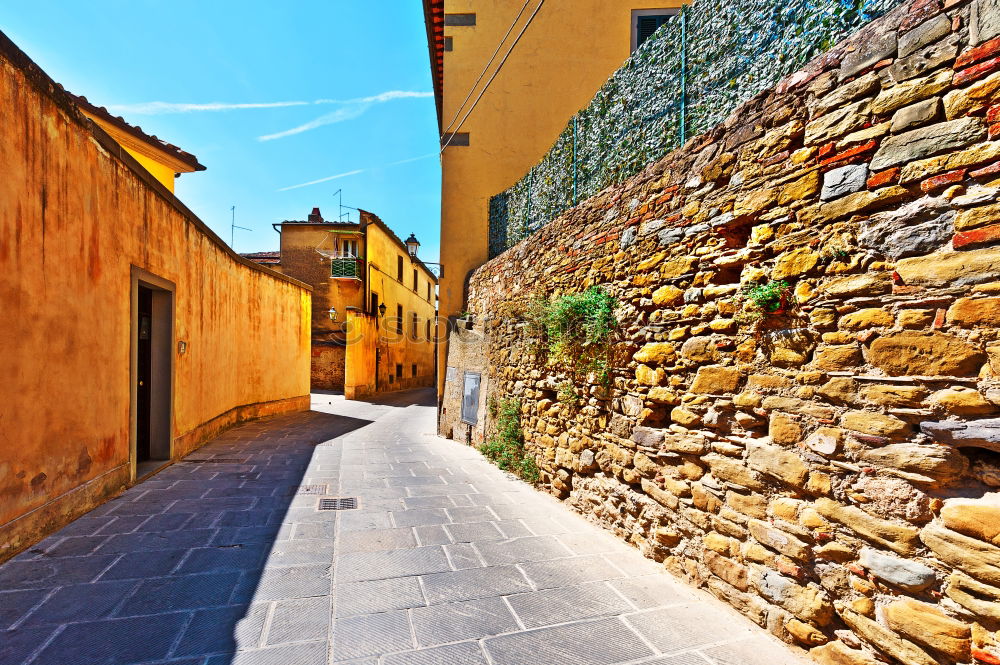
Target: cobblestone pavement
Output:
[(224, 558)]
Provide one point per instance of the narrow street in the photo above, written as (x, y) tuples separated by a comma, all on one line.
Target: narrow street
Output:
[(223, 558)]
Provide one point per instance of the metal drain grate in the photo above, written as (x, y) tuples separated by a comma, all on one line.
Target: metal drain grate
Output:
[(308, 489), (341, 503)]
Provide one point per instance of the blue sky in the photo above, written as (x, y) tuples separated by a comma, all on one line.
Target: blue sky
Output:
[(330, 88)]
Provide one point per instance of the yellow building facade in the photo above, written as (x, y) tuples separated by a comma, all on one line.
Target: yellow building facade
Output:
[(164, 161), (374, 303), (508, 76)]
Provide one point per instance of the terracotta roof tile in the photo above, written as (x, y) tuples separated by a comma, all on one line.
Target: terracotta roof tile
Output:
[(136, 131)]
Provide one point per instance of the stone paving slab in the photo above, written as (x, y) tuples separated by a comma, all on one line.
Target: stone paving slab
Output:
[(446, 561)]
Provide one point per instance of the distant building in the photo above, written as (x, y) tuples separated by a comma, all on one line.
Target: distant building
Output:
[(567, 50), (374, 302)]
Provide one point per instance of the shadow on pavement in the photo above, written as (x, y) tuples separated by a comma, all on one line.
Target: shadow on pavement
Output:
[(191, 562)]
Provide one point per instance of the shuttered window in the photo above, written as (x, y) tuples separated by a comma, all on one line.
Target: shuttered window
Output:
[(647, 25)]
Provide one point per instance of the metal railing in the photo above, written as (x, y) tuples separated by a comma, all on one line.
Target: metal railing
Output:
[(347, 268)]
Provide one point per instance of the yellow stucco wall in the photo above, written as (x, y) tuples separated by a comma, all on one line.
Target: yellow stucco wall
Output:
[(565, 55), (359, 364), (412, 347), (77, 217)]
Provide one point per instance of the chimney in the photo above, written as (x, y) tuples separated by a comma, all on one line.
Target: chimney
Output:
[(315, 217)]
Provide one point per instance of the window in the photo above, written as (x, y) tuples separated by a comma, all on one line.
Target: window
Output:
[(428, 338), (399, 269), (399, 319), (470, 398), (413, 368), (348, 248), (413, 327), (374, 305), (449, 44), (456, 138), (414, 280), (428, 291), (399, 371), (647, 21), (460, 19)]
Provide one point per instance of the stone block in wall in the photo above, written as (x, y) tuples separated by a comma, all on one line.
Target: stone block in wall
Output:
[(961, 401), (838, 653), (778, 540), (929, 627), (975, 98), (900, 538), (715, 380), (837, 123), (844, 180), (884, 639), (927, 32), (922, 464), (903, 573), (926, 59), (926, 141), (984, 433), (870, 284), (975, 557), (985, 15), (909, 92), (925, 354), (982, 599), (853, 204), (809, 603), (868, 52), (978, 518), (778, 462)]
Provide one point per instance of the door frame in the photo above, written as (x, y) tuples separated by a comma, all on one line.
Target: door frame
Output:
[(163, 366)]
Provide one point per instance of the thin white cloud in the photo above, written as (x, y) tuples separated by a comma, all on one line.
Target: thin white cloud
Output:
[(163, 108), (340, 115), (386, 96), (351, 108), (356, 172), (327, 179)]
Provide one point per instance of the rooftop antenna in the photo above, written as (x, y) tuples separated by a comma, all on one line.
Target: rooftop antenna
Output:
[(232, 229), (340, 203)]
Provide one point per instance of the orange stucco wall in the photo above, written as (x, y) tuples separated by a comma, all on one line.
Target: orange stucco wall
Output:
[(77, 215)]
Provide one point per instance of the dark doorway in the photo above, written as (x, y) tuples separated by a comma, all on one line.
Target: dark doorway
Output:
[(152, 373), (143, 369)]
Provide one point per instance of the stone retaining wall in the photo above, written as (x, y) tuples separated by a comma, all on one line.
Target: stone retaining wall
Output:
[(831, 470)]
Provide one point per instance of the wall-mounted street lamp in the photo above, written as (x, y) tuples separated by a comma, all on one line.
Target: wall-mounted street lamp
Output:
[(333, 313), (381, 310), (412, 244)]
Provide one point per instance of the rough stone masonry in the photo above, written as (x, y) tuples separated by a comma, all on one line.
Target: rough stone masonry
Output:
[(833, 470)]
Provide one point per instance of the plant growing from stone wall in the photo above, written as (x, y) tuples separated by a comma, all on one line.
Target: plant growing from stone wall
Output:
[(505, 447), (579, 328), (566, 394), (763, 300)]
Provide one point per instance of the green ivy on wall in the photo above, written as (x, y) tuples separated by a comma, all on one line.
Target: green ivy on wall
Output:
[(728, 52)]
